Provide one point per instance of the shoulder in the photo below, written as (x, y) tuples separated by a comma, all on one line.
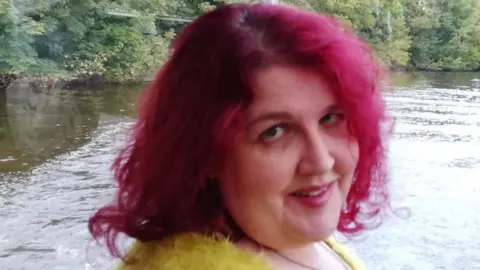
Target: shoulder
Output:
[(346, 254), (190, 251)]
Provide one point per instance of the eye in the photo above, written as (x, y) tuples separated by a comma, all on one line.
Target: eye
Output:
[(332, 118), (273, 133)]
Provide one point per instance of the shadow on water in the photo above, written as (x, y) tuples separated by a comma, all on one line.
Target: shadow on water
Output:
[(39, 124)]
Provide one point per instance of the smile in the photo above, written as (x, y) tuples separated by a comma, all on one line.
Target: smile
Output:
[(313, 197)]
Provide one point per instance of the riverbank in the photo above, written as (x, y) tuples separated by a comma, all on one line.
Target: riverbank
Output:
[(66, 82), (102, 82)]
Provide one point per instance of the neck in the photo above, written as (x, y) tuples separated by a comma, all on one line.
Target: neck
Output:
[(305, 254)]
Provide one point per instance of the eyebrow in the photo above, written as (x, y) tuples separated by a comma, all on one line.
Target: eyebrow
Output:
[(277, 115), (273, 115)]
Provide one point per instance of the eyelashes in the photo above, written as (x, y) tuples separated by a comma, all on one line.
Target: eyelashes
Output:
[(278, 131), (273, 133), (332, 118)]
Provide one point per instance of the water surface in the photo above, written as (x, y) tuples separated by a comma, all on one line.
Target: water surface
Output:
[(56, 148)]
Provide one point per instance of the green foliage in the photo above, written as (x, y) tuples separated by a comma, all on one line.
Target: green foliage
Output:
[(115, 40), (126, 40), (427, 34)]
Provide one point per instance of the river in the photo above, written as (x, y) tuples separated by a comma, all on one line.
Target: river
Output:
[(56, 147)]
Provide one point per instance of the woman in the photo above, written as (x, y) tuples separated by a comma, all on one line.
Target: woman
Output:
[(261, 135)]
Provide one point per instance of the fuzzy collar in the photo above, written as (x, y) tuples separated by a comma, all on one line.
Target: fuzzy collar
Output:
[(190, 251)]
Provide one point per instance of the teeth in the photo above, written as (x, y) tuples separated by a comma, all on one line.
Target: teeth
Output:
[(310, 194), (307, 194)]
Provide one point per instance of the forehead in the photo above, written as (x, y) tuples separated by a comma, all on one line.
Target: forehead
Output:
[(290, 89)]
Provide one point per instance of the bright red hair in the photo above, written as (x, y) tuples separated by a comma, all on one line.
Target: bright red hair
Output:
[(193, 111)]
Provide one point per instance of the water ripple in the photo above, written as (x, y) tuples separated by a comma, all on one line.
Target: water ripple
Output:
[(435, 160), (43, 221)]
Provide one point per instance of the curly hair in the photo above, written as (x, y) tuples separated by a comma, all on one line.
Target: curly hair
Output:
[(192, 113)]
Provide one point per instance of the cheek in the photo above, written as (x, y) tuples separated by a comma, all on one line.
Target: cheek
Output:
[(245, 178), (354, 150), (244, 189), (346, 155), (252, 175), (344, 147), (236, 181), (348, 158)]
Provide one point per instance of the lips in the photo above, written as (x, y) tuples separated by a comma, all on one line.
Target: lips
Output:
[(313, 197), (310, 192)]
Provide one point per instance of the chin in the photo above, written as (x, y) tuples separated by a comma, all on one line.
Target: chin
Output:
[(321, 232), (321, 226), (328, 224), (324, 233)]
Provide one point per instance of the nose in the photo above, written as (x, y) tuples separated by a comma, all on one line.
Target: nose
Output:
[(316, 158)]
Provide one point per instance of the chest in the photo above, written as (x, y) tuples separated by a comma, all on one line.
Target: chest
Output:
[(326, 259)]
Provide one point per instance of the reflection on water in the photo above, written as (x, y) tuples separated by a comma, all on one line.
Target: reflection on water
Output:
[(36, 125), (443, 80), (435, 159)]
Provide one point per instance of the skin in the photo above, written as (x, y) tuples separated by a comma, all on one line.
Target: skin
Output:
[(295, 137)]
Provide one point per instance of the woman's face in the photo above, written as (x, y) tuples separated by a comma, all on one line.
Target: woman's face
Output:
[(285, 182)]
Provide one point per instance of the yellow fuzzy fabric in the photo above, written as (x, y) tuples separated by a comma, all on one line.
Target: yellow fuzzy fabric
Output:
[(189, 252), (199, 252), (350, 259)]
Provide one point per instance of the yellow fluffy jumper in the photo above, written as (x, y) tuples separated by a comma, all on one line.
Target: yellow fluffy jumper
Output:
[(199, 252)]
